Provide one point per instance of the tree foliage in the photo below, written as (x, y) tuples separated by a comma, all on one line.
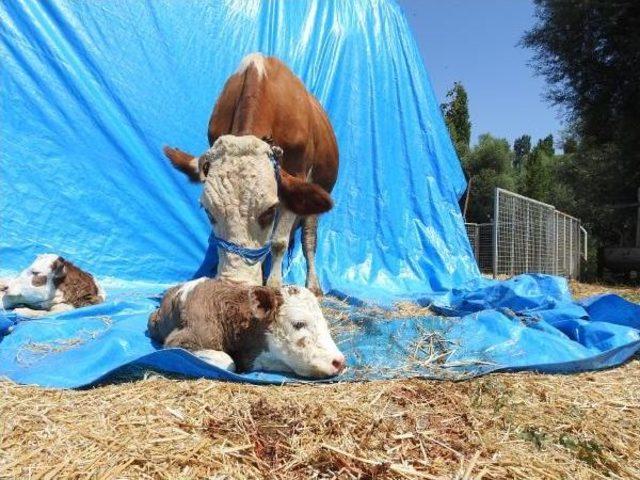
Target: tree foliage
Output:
[(488, 165), (589, 53), (545, 145), (456, 115), (521, 149), (537, 178)]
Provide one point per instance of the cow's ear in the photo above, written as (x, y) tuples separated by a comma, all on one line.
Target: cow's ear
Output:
[(264, 302), (183, 161), (303, 198)]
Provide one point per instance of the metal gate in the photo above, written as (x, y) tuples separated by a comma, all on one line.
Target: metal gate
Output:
[(528, 236)]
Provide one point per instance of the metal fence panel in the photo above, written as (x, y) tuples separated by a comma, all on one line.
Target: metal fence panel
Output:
[(524, 228), (480, 238), (527, 236)]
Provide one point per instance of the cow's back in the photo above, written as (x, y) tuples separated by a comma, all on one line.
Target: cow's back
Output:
[(264, 98)]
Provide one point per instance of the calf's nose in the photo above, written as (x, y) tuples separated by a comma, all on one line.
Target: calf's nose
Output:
[(339, 363)]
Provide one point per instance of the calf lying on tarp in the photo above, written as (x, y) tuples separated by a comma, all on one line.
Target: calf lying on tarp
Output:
[(236, 326), (49, 284)]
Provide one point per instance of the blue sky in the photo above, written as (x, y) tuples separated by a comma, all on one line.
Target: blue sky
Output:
[(475, 42)]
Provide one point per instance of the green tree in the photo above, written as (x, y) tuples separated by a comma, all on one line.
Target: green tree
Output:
[(538, 177), (488, 165), (546, 146), (521, 148), (589, 53), (569, 145), (456, 116)]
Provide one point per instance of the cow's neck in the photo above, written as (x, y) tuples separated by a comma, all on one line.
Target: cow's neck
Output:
[(233, 267)]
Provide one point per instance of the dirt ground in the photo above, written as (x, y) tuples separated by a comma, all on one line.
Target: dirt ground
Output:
[(498, 426)]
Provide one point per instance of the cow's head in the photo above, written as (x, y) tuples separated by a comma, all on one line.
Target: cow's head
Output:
[(242, 193), (35, 287), (298, 339)]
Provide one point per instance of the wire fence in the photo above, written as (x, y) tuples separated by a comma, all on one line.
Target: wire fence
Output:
[(481, 239), (528, 236)]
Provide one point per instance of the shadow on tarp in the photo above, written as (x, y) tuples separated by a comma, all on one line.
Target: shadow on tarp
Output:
[(526, 323)]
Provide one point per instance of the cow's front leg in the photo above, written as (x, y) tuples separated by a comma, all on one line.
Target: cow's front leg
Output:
[(30, 312), (309, 242), (279, 246), (61, 307), (216, 358)]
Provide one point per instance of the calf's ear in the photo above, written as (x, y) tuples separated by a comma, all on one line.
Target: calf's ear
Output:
[(183, 161), (303, 198), (59, 268), (264, 302)]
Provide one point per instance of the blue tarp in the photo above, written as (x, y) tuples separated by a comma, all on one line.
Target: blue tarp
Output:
[(92, 90)]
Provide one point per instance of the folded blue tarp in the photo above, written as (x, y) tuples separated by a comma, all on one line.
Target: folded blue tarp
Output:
[(91, 91), (500, 330)]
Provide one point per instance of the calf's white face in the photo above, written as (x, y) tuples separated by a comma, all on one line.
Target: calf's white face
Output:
[(240, 197), (34, 286), (299, 340)]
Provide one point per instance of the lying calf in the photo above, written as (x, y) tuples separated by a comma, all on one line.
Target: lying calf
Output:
[(50, 284), (232, 325)]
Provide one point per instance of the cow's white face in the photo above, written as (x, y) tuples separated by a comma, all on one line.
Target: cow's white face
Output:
[(241, 198), (299, 340), (34, 287)]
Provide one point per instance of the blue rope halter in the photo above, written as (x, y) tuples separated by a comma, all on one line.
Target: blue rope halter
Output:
[(254, 255)]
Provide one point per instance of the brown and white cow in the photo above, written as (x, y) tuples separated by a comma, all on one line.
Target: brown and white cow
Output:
[(264, 104), (50, 284), (236, 326)]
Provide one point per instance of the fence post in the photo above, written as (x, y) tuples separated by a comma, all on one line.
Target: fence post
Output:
[(496, 226), (540, 242), (571, 249), (512, 245), (526, 242)]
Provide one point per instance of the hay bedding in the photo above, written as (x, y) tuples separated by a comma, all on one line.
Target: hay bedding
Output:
[(498, 426)]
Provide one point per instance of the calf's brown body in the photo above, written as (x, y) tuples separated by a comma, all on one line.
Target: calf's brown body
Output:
[(219, 315), (78, 287)]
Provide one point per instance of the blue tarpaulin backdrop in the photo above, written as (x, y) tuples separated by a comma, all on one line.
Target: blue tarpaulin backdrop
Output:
[(92, 90)]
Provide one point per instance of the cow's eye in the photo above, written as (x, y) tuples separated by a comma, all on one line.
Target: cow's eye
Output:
[(299, 325), (266, 217)]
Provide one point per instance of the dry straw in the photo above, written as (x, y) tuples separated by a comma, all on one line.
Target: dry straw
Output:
[(499, 426)]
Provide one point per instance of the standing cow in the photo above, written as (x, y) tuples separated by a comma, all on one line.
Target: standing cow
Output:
[(256, 194)]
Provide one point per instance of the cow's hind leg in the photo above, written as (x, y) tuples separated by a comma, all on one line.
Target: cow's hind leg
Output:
[(309, 243)]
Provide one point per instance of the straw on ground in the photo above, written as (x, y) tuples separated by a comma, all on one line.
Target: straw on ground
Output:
[(499, 426)]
